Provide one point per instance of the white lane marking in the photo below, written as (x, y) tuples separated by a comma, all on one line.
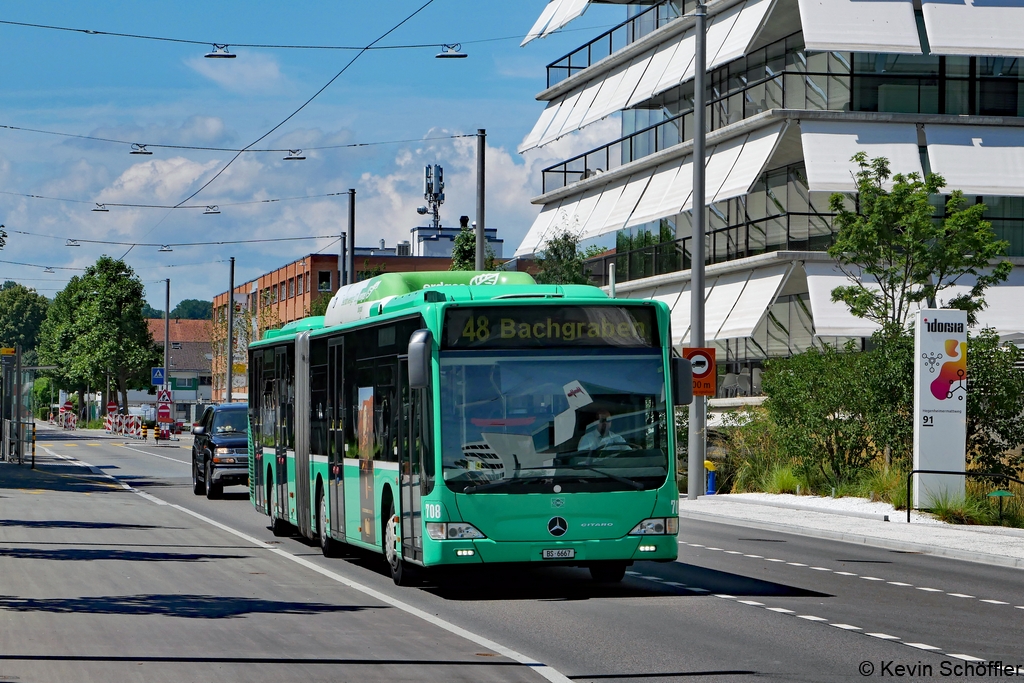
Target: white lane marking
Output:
[(995, 602), (883, 636), (714, 548), (675, 584), (772, 559), (821, 569), (898, 583), (960, 595), (732, 552), (151, 499), (755, 603), (809, 617), (696, 545), (633, 573), (922, 646), (757, 557), (1019, 606), (92, 468), (872, 578), (966, 658), (929, 590), (697, 590), (846, 574), (183, 462), (796, 564), (544, 670), (781, 610), (724, 596), (847, 627), (652, 578)]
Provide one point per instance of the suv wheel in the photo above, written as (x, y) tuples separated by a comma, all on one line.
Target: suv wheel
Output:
[(198, 488), (212, 490)]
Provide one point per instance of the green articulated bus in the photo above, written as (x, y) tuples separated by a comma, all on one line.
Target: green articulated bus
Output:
[(467, 418)]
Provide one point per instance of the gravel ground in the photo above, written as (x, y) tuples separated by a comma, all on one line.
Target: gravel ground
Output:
[(828, 504)]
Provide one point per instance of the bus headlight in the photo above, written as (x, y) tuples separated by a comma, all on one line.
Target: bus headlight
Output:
[(657, 526), (440, 531)]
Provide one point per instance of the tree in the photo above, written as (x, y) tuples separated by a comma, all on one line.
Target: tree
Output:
[(562, 262), (150, 312), (896, 239), (464, 251), (95, 329), (319, 305), (193, 309), (995, 404), (22, 312)]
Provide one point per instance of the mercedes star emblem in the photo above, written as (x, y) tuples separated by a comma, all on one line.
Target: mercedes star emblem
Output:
[(557, 526)]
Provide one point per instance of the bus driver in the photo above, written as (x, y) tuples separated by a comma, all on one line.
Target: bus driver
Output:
[(602, 436)]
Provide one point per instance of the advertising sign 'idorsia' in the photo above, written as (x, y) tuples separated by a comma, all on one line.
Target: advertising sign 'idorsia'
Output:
[(940, 403)]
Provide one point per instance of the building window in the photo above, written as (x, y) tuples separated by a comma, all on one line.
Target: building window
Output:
[(206, 380), (176, 346), (183, 382), (323, 281), (291, 287), (273, 294), (298, 289)]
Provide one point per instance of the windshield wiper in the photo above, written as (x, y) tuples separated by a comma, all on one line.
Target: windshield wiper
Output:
[(616, 477)]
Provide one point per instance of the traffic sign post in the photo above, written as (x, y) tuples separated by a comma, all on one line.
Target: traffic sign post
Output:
[(702, 360), (111, 408)]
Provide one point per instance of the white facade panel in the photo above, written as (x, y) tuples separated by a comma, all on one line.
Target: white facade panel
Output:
[(566, 12), (609, 86), (760, 293), (990, 28), (535, 236), (833, 318), (557, 128), (652, 77), (598, 221), (745, 27), (757, 149), (627, 201), (652, 205), (542, 21), (829, 145), (860, 26), (541, 127), (983, 160), (721, 300)]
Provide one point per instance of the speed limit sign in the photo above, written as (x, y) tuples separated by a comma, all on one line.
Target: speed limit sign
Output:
[(702, 360)]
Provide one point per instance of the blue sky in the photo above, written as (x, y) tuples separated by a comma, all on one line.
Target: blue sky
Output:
[(163, 92)]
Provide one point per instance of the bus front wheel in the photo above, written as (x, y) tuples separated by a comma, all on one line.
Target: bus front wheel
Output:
[(399, 572), (608, 572)]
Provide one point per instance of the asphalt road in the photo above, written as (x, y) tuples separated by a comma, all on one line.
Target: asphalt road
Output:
[(100, 583)]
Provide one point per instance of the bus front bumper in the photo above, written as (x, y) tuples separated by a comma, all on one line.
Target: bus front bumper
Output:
[(485, 551)]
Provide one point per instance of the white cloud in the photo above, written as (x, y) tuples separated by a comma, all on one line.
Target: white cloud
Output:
[(164, 180), (256, 73)]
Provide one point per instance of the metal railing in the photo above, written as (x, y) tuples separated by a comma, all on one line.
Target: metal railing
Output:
[(786, 89), (614, 39), (989, 475), (723, 244), (18, 442)]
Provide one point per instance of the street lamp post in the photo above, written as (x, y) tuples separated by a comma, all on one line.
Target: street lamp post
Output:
[(231, 330), (696, 445), (481, 148)]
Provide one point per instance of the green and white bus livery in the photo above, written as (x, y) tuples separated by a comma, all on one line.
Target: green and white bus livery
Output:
[(462, 418)]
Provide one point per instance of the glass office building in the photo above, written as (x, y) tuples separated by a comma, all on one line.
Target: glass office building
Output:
[(794, 89)]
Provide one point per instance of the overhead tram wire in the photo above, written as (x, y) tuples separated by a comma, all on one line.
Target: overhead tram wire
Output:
[(190, 206), (154, 145), (294, 113), (179, 244), (272, 46)]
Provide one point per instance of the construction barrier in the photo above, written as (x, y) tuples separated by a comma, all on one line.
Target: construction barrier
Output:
[(67, 421), (124, 425)]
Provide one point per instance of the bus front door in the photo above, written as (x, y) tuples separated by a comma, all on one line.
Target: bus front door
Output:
[(336, 438), (411, 445)]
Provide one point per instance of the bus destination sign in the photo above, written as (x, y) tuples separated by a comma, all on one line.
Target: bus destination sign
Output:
[(502, 327)]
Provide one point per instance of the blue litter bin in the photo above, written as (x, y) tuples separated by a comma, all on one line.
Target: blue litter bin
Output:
[(710, 467)]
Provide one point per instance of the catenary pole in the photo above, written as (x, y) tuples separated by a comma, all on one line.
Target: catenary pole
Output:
[(481, 149), (698, 415), (167, 336), (351, 262), (231, 330)]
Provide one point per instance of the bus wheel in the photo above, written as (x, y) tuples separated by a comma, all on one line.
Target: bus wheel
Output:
[(608, 572), (328, 546), (399, 573)]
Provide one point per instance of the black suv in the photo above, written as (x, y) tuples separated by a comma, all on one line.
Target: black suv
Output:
[(220, 452)]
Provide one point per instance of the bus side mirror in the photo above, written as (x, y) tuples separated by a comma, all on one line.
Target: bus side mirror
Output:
[(420, 348), (682, 382)]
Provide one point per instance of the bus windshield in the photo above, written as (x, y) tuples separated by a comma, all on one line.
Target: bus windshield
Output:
[(529, 422)]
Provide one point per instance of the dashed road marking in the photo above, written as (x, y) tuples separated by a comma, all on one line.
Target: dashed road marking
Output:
[(931, 590), (847, 627), (753, 603), (922, 646), (960, 595), (995, 602), (772, 559), (820, 569), (810, 617), (758, 557), (796, 564), (846, 574), (781, 610), (899, 583), (872, 578), (883, 636), (966, 658)]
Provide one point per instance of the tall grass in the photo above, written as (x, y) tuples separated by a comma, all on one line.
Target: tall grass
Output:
[(780, 478)]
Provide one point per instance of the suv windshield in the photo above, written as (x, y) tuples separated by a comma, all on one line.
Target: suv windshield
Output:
[(544, 422), (229, 421)]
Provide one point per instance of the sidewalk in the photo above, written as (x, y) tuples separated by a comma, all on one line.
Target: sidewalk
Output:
[(850, 520)]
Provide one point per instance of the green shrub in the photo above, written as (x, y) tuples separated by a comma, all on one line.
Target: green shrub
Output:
[(751, 450), (780, 479), (889, 484), (969, 509)]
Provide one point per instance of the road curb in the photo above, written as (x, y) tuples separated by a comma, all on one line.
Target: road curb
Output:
[(857, 539)]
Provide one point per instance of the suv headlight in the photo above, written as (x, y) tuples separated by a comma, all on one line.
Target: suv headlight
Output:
[(441, 531), (656, 526), (220, 450)]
